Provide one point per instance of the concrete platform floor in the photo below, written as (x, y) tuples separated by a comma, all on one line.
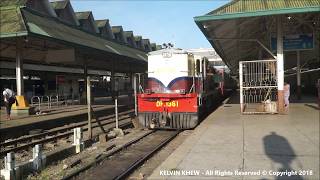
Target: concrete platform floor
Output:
[(60, 111), (226, 143)]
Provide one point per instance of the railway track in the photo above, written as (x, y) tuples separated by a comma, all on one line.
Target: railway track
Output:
[(26, 142), (120, 162)]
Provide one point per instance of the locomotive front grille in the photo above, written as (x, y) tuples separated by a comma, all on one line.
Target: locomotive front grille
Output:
[(173, 120)]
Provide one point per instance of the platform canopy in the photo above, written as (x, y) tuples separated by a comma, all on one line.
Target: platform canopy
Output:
[(246, 30), (45, 35)]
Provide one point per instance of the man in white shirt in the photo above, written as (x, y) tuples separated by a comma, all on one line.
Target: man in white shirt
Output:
[(9, 99)]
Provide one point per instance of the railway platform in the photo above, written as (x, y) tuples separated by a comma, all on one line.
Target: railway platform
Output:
[(58, 116), (227, 145)]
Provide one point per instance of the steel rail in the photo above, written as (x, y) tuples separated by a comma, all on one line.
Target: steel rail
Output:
[(104, 156), (56, 130), (119, 149), (55, 137), (145, 157)]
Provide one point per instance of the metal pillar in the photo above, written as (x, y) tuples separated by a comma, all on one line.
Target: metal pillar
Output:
[(135, 94), (139, 81), (241, 86), (19, 67), (280, 65), (116, 112), (117, 130), (85, 70), (298, 76), (89, 106), (112, 82)]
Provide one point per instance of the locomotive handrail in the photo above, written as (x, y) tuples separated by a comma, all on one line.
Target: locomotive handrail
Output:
[(140, 87), (191, 88)]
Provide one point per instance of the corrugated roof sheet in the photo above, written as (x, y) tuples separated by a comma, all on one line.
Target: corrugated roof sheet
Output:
[(128, 33), (59, 4), (13, 2), (116, 29), (137, 38), (11, 21), (240, 6), (83, 15), (52, 28), (146, 41), (101, 23)]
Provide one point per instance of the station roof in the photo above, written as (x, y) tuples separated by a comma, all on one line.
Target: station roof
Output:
[(239, 29), (246, 8), (13, 2), (102, 23), (83, 15), (137, 38), (59, 4), (16, 21), (128, 33), (12, 23), (116, 29)]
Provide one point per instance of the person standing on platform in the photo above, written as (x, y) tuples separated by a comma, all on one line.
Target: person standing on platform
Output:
[(9, 99), (286, 89)]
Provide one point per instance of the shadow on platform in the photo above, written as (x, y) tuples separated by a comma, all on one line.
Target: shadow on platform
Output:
[(279, 150)]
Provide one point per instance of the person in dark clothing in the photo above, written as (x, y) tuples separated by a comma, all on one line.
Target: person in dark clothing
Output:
[(9, 99)]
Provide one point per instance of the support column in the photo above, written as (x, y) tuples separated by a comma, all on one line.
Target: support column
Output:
[(131, 88), (85, 75), (21, 107), (89, 106), (135, 94), (112, 83), (241, 87), (19, 68), (298, 76), (280, 65)]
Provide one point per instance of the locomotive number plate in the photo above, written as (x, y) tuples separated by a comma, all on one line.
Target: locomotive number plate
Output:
[(167, 104)]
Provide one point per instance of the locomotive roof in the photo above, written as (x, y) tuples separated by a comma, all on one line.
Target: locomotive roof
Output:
[(169, 50)]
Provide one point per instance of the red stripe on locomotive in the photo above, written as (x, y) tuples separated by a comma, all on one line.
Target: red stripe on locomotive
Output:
[(160, 102)]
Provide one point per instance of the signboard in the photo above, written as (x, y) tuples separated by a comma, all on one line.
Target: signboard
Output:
[(60, 79), (294, 42)]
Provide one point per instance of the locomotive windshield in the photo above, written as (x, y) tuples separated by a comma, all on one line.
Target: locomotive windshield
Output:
[(170, 71)]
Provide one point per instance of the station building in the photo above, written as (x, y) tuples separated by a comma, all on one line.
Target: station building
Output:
[(48, 49), (274, 39)]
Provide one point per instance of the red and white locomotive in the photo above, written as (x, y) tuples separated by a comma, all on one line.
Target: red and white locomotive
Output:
[(180, 87)]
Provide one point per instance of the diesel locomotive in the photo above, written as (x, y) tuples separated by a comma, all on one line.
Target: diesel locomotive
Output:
[(180, 87)]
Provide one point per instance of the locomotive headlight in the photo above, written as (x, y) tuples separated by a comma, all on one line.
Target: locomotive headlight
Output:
[(182, 91)]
